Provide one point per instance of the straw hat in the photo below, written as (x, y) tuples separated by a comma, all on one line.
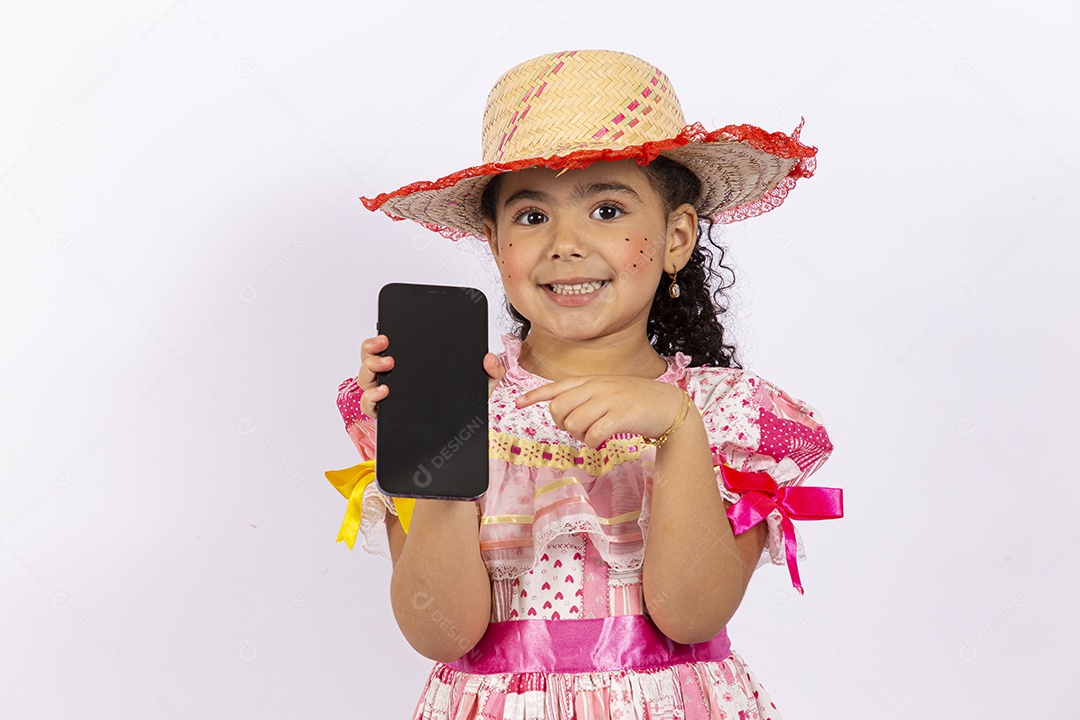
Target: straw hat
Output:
[(573, 108)]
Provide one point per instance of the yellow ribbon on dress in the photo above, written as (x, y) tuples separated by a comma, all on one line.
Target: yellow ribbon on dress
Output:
[(351, 483)]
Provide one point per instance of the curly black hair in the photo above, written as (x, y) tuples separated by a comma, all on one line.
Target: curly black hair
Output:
[(689, 323)]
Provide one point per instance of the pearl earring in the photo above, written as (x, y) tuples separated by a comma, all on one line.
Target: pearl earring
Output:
[(673, 291)]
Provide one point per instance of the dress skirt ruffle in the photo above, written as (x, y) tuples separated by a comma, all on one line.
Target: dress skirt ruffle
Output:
[(725, 690)]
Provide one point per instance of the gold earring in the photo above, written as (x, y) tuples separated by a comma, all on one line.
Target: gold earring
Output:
[(673, 291)]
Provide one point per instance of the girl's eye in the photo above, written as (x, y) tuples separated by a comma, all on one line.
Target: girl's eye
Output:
[(606, 212), (530, 217)]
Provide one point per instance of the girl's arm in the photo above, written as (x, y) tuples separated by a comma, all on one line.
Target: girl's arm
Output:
[(440, 590), (695, 570)]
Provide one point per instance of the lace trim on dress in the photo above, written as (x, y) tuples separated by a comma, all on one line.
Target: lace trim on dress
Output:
[(526, 509), (510, 554), (523, 451), (372, 521)]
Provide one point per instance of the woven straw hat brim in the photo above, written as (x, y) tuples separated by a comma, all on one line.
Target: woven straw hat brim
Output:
[(744, 171)]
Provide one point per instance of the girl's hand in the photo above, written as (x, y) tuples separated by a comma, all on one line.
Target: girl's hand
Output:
[(372, 361), (592, 408)]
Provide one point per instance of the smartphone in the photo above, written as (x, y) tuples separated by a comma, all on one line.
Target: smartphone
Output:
[(432, 438)]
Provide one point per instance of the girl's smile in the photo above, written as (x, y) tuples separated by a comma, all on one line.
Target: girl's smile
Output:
[(575, 291)]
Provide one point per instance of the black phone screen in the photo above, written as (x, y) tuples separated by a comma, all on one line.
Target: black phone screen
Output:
[(432, 438)]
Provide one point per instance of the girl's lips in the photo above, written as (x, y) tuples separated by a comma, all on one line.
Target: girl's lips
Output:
[(573, 299)]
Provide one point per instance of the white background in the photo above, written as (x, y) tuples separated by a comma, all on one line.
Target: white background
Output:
[(187, 275)]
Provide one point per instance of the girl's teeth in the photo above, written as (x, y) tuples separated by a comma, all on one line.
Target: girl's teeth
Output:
[(578, 289)]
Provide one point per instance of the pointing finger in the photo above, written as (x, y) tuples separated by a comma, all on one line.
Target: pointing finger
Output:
[(548, 392)]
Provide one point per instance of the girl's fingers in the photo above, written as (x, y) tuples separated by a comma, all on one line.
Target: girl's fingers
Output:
[(581, 421), (549, 391), (600, 431), (371, 351), (373, 346), (371, 397), (371, 365), (574, 409), (568, 399), (372, 362)]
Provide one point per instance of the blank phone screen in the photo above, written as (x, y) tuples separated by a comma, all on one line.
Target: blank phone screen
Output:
[(432, 438)]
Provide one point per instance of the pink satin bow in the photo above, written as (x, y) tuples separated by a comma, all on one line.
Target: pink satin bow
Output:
[(761, 495)]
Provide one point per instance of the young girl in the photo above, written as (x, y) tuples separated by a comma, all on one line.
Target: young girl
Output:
[(638, 475)]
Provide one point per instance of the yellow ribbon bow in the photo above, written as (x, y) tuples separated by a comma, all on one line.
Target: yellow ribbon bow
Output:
[(351, 483)]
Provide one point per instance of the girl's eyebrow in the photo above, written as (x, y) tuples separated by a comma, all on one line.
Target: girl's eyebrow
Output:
[(526, 195), (580, 192)]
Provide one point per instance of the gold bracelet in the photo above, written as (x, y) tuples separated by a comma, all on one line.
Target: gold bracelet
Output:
[(684, 412)]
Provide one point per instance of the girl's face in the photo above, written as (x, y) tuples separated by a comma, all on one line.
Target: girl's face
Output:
[(581, 253)]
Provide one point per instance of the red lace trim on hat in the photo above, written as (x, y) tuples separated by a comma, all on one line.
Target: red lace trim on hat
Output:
[(776, 143)]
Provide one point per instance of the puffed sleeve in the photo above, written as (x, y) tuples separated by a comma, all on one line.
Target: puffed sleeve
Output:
[(360, 427), (366, 512), (765, 443)]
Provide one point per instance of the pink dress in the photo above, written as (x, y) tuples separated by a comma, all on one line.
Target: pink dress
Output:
[(563, 533)]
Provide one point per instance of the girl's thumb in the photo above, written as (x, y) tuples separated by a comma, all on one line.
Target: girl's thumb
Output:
[(495, 370)]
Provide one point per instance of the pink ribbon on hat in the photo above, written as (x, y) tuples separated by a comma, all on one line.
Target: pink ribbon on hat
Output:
[(762, 495)]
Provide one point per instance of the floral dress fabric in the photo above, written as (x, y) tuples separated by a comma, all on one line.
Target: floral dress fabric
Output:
[(563, 532)]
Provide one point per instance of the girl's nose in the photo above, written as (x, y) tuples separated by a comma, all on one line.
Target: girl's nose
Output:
[(567, 241)]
